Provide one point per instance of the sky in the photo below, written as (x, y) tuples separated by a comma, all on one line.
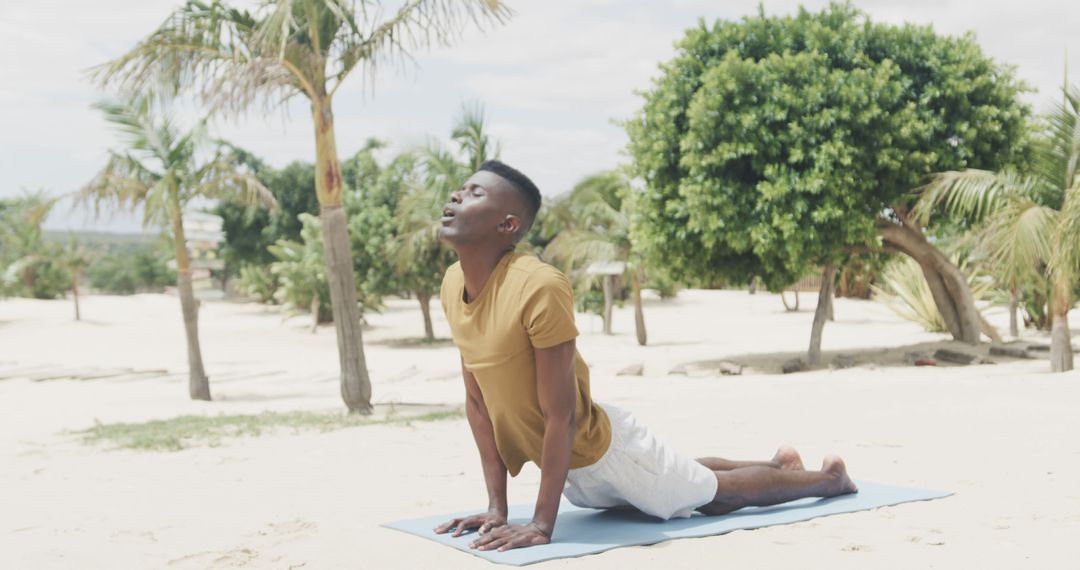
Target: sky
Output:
[(554, 81)]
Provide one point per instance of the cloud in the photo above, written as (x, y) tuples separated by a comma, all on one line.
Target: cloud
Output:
[(552, 79)]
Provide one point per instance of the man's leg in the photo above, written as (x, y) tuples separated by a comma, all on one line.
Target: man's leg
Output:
[(786, 458), (759, 486)]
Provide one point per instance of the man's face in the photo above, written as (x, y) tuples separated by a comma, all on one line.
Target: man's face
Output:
[(485, 208)]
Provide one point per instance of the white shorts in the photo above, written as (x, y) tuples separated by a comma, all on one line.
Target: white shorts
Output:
[(639, 471)]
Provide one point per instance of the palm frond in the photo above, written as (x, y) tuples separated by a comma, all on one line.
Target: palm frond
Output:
[(1060, 157), (210, 45), (971, 194), (472, 138), (1017, 241), (908, 295), (416, 25), (122, 185), (575, 249), (1066, 256)]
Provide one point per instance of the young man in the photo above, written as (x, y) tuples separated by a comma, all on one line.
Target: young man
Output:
[(527, 391)]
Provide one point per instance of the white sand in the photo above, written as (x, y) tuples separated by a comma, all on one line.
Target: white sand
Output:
[(1003, 437)]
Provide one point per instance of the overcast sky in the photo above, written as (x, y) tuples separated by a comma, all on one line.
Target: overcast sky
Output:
[(553, 81)]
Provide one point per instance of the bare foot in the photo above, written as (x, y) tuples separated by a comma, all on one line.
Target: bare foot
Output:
[(788, 459), (842, 484)]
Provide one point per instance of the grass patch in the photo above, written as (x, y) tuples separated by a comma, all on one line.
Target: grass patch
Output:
[(183, 432)]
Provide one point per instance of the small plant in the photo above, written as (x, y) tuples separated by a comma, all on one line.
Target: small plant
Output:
[(908, 295), (183, 432), (258, 282)]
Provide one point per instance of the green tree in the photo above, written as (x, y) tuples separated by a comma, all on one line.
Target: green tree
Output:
[(29, 265), (372, 195), (132, 270), (288, 48), (1029, 222), (75, 259), (249, 231), (162, 169), (301, 272), (777, 144), (421, 258), (593, 222)]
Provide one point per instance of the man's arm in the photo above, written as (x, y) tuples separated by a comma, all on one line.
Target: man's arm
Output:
[(491, 461), (556, 385)]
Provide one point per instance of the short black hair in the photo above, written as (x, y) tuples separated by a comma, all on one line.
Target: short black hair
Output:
[(521, 183)]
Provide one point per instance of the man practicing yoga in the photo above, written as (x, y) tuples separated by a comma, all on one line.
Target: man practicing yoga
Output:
[(527, 391)]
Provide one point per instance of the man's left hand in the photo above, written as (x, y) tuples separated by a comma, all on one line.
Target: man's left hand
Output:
[(509, 536)]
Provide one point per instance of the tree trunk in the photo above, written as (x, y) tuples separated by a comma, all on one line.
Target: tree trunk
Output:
[(821, 314), (639, 311), (315, 305), (75, 293), (753, 285), (1014, 302), (355, 384), (607, 303), (425, 308), (198, 384), (787, 307), (1061, 354), (950, 290)]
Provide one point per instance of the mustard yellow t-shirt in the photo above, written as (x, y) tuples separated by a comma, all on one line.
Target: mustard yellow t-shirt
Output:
[(526, 303)]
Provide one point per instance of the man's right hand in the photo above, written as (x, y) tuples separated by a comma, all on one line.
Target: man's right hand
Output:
[(483, 522)]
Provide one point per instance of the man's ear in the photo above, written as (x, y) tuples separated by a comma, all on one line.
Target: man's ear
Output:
[(510, 225)]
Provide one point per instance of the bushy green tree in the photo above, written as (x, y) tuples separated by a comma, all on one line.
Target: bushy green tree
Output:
[(301, 272), (29, 266), (778, 143), (143, 269), (249, 231), (372, 196)]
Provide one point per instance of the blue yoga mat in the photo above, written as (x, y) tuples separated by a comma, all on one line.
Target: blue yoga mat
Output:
[(588, 531)]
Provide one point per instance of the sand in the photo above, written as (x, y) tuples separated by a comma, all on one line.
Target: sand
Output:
[(1002, 436)]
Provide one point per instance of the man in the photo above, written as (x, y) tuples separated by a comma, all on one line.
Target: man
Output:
[(527, 391)]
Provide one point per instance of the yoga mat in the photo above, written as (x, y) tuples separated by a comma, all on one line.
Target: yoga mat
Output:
[(588, 531)]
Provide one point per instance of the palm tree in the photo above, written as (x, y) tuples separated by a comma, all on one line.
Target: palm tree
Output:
[(288, 48), (593, 225), (161, 170), (422, 257), (75, 259), (1030, 221)]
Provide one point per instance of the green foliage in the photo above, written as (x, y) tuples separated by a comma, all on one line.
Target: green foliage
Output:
[(235, 58), (769, 145), (162, 168), (42, 275), (908, 295), (29, 266), (371, 198), (301, 271), (1025, 221), (258, 282), (184, 432), (124, 273), (249, 230), (589, 299), (426, 182), (858, 272)]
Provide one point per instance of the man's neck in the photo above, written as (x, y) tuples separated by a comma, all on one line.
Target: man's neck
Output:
[(477, 267)]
